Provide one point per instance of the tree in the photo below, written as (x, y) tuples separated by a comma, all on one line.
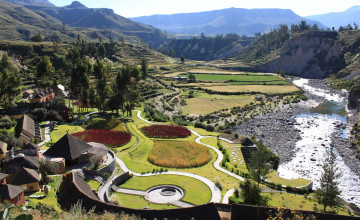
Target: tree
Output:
[(251, 193), (259, 165), (191, 77), (182, 59), (10, 81), (172, 52), (44, 69), (102, 70), (37, 38), (47, 168), (144, 67), (328, 191)]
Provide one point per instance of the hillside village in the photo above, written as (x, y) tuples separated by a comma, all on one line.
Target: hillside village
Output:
[(123, 121)]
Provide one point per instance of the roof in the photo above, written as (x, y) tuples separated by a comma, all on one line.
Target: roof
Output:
[(18, 162), (3, 175), (68, 147), (8, 191), (97, 149), (32, 146), (28, 125), (83, 186), (24, 176)]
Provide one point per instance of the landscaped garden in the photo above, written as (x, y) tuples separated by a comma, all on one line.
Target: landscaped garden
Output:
[(166, 131), (107, 137), (179, 154)]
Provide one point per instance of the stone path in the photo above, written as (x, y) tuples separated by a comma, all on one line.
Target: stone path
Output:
[(229, 193), (131, 192), (181, 204), (47, 134)]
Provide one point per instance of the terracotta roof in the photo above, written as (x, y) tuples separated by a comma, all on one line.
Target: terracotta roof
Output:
[(18, 162), (24, 176), (68, 147), (8, 191)]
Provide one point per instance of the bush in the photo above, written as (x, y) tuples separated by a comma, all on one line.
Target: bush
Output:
[(39, 114), (6, 123), (210, 128)]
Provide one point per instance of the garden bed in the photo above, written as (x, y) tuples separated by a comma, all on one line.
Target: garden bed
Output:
[(166, 131), (113, 138), (179, 154)]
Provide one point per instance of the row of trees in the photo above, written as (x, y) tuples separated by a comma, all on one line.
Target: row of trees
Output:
[(10, 81)]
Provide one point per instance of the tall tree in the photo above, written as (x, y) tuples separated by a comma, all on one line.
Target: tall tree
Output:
[(182, 59), (44, 69), (259, 165), (144, 67), (251, 193), (102, 70), (10, 81), (328, 191)]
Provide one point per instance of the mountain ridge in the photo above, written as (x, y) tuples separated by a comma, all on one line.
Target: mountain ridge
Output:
[(230, 20)]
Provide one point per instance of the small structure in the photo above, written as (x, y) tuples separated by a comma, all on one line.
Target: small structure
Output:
[(3, 150), (28, 93), (72, 149), (60, 162), (25, 177), (14, 194), (3, 178), (20, 161), (43, 95), (27, 130), (99, 150)]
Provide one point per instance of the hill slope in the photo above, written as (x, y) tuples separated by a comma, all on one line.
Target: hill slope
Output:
[(30, 2), (337, 19), (232, 20)]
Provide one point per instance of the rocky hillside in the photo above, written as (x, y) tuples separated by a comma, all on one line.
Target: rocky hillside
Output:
[(310, 55)]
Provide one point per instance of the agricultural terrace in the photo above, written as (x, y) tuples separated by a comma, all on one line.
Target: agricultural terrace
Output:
[(243, 78), (204, 103), (176, 154), (107, 137), (261, 89), (166, 131)]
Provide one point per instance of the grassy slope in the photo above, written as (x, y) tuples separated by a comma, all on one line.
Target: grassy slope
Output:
[(138, 202)]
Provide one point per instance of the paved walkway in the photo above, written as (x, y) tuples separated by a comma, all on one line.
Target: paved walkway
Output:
[(46, 135), (131, 191), (229, 193)]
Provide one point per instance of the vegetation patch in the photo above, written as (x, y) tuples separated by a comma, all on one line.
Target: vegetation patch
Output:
[(106, 124), (166, 131), (113, 138), (179, 154)]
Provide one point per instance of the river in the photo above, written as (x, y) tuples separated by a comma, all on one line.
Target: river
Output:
[(317, 126)]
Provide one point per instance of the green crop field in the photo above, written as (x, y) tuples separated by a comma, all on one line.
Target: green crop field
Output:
[(251, 77)]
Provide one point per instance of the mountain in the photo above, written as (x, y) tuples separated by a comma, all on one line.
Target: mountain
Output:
[(20, 20), (337, 19), (232, 20), (30, 2)]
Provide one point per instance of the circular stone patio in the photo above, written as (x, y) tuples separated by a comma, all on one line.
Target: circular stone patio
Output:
[(164, 194)]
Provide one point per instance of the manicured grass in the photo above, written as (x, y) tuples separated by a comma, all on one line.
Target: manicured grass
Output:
[(138, 202), (299, 202), (204, 103), (95, 185), (300, 182), (106, 124), (50, 199), (165, 131), (244, 77), (264, 89), (196, 191), (62, 130), (179, 154)]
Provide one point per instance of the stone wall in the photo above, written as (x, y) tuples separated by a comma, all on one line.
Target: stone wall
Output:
[(121, 179), (111, 166)]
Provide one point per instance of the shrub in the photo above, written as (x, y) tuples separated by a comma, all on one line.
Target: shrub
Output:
[(166, 131), (179, 154), (114, 138)]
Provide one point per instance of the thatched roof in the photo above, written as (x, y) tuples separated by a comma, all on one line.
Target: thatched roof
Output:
[(19, 162), (97, 149), (32, 146), (3, 175), (24, 176), (26, 124), (84, 186), (68, 147), (8, 191)]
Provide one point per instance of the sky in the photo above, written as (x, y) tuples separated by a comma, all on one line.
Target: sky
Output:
[(135, 8)]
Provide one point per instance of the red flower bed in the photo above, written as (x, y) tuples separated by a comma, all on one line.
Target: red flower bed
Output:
[(107, 137), (166, 131)]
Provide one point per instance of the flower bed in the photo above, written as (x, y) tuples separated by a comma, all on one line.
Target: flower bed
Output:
[(179, 154), (166, 131), (107, 137)]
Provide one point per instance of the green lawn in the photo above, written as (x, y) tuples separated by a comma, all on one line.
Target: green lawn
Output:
[(196, 191), (95, 185), (138, 202), (62, 130), (300, 182), (251, 77)]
